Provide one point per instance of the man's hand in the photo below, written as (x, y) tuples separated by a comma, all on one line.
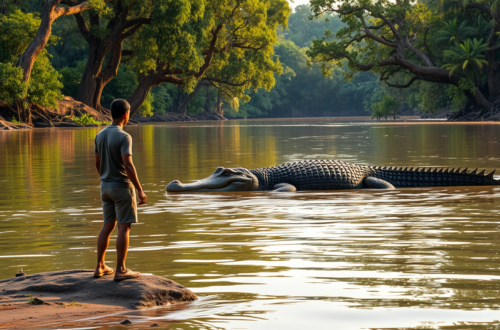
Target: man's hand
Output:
[(142, 197), (132, 175)]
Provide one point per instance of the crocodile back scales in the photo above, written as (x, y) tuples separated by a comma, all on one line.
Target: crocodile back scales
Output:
[(335, 175), (312, 175)]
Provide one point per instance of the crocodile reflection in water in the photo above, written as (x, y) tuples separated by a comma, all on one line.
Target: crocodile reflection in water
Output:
[(330, 175)]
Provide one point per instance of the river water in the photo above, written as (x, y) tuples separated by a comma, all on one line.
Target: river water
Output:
[(410, 258)]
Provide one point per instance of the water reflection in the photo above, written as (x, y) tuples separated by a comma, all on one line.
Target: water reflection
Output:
[(412, 258)]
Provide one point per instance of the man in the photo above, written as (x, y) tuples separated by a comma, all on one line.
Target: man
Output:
[(113, 160)]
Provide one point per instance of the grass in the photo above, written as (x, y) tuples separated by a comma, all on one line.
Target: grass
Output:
[(87, 119), (34, 301), (15, 121)]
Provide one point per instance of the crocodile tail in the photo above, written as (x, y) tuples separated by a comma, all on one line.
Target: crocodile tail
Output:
[(430, 176)]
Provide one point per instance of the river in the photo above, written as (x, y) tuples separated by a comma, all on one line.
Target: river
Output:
[(410, 258)]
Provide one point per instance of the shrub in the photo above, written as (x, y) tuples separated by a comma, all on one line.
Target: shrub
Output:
[(87, 119)]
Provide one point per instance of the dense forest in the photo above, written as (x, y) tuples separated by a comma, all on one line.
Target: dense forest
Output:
[(251, 58)]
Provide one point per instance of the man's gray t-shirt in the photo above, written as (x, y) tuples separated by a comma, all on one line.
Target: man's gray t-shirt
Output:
[(111, 144)]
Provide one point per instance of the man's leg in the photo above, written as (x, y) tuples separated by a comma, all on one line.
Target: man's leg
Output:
[(122, 241), (102, 246)]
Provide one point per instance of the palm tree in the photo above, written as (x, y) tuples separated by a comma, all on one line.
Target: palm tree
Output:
[(454, 33), (467, 57)]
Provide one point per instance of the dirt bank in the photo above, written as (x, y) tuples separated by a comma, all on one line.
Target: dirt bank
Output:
[(173, 117), (76, 294)]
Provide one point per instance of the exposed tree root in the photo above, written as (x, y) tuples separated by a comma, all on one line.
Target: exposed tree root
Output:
[(63, 116), (472, 113)]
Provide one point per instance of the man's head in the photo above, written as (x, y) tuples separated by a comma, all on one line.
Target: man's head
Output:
[(120, 111)]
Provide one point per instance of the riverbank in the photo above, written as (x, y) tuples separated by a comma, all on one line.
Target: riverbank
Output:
[(51, 298), (69, 110)]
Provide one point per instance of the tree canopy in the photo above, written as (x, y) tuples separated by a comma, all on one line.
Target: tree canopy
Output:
[(425, 41)]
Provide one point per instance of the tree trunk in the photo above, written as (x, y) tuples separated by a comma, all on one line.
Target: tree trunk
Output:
[(24, 111), (88, 84), (182, 107), (49, 14), (94, 78), (493, 71), (141, 92), (41, 38), (480, 100), (218, 106)]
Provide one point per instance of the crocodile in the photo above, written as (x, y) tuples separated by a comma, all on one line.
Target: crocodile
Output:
[(331, 175)]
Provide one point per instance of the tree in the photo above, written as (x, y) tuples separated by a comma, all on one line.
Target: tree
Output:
[(105, 29), (206, 35), (43, 87), (391, 38), (51, 12), (387, 106)]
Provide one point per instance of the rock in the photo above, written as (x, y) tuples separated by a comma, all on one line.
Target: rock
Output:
[(80, 285), (125, 322), (69, 107), (155, 325), (21, 273)]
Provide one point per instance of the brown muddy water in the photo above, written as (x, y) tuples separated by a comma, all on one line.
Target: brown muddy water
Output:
[(411, 258)]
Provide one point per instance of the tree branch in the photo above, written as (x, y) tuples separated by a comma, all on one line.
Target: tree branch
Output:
[(374, 37), (419, 53), (479, 6), (210, 53), (412, 80), (83, 27), (135, 27)]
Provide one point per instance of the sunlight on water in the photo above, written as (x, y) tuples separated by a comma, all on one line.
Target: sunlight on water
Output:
[(411, 258)]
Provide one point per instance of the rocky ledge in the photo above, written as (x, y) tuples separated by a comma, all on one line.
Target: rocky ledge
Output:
[(145, 291)]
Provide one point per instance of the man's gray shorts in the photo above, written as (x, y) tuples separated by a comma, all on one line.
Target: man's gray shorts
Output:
[(119, 204)]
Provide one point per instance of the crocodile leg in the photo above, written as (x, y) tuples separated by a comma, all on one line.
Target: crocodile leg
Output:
[(284, 187), (371, 182)]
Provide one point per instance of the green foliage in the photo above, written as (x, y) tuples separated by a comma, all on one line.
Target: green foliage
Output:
[(71, 78), (146, 109), (87, 119), (12, 87), (34, 301), (302, 30), (458, 98), (44, 85), (162, 99), (453, 33), (122, 86), (467, 57), (16, 32), (15, 121), (387, 106)]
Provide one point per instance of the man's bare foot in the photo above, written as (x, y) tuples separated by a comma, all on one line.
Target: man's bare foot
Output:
[(128, 274), (102, 270)]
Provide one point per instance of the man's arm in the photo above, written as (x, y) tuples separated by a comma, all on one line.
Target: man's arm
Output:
[(132, 175), (97, 159)]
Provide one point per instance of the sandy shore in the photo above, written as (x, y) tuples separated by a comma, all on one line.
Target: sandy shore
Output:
[(77, 298)]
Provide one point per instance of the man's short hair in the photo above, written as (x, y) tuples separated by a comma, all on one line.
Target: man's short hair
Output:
[(119, 108)]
